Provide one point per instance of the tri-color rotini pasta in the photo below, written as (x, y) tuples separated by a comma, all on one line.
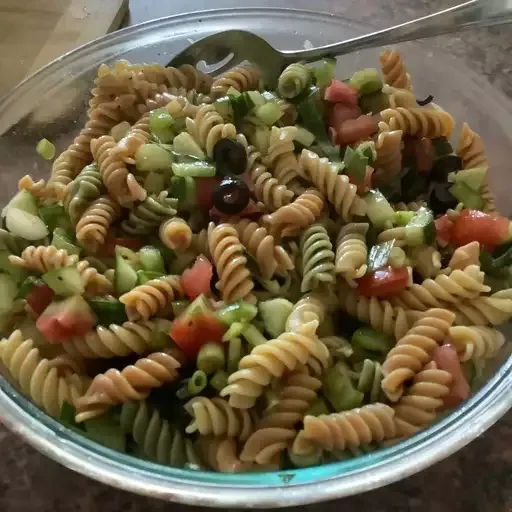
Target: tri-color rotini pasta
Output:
[(227, 277)]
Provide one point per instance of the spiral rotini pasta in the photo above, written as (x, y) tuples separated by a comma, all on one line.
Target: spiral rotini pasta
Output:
[(199, 243), (149, 214), (95, 284), (147, 299), (340, 193), (495, 309), (43, 258), (112, 341), (157, 438), (337, 431), (221, 454), (417, 122), (452, 288), (240, 78), (35, 375), (261, 246), (280, 158), (397, 234), (266, 188), (369, 379), (235, 280), (476, 342), (175, 233), (413, 351), (399, 97), (427, 261), (417, 408), (380, 314), (465, 256), (38, 189), (120, 183), (293, 80), (389, 156), (291, 219), (351, 250), (276, 429), (68, 164), (134, 382), (270, 360), (311, 307), (393, 69), (217, 418), (137, 136), (93, 225), (317, 258)]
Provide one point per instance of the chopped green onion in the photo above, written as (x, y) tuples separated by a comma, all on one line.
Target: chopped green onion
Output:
[(46, 149), (219, 380), (235, 330), (235, 354), (108, 311), (239, 311), (197, 382), (210, 358), (402, 218), (325, 73), (366, 81), (253, 335), (143, 276)]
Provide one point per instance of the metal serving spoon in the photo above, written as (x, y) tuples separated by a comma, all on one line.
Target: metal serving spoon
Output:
[(245, 46)]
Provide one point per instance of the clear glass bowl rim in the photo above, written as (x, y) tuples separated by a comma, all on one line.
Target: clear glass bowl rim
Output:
[(261, 490)]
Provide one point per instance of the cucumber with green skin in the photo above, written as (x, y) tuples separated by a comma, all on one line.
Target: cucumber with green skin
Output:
[(379, 211), (421, 229), (64, 281)]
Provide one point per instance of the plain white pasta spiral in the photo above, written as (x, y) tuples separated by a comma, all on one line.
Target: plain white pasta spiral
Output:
[(352, 251), (476, 341)]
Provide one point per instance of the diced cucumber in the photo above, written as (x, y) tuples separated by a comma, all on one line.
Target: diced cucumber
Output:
[(242, 105), (256, 98), (367, 338), (65, 281), (179, 306), (239, 311), (304, 137), (185, 144), (224, 108), (152, 158), (61, 241), (46, 149), (154, 182), (109, 311), (472, 178), (269, 113), (379, 211), (106, 432), (151, 259), (421, 229), (160, 121), (274, 314), (253, 335), (403, 218), (366, 81), (379, 255), (9, 291), (55, 215), (355, 165), (194, 170), (233, 92), (261, 138), (468, 197), (125, 275), (25, 225), (325, 73), (17, 273), (143, 276), (23, 200), (367, 149), (198, 306)]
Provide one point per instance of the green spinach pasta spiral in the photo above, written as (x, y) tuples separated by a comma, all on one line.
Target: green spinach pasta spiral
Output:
[(293, 80)]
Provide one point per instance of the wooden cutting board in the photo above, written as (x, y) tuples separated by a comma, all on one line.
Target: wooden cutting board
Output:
[(34, 32)]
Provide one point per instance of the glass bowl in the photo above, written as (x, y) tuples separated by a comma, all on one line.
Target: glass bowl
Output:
[(52, 104)]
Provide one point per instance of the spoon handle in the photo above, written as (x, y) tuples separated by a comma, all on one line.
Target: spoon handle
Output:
[(475, 13)]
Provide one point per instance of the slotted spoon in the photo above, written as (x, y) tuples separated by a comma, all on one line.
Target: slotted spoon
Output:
[(245, 46)]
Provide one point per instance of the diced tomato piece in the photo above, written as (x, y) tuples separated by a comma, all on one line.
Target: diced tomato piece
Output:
[(338, 92), (204, 192), (384, 282), (196, 280), (60, 321), (39, 298), (447, 359), (444, 226), (341, 113), (107, 250), (191, 332), (354, 130), (474, 225)]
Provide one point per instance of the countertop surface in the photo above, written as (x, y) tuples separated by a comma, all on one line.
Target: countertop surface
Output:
[(477, 478)]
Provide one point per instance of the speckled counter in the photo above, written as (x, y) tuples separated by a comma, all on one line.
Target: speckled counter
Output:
[(478, 478)]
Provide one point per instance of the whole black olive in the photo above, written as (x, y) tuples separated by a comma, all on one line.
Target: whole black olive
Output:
[(440, 198), (231, 196), (443, 166), (230, 157)]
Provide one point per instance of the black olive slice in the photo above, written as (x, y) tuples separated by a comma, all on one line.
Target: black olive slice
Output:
[(231, 196), (230, 157)]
